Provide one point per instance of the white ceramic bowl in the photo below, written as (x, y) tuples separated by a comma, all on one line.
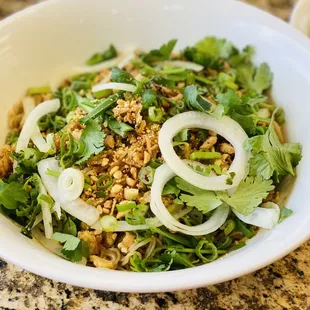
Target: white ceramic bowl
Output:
[(36, 43)]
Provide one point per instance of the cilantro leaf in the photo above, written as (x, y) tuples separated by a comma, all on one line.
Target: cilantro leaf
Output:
[(228, 100), (163, 53), (93, 139), (121, 76), (73, 248), (149, 98), (260, 166), (100, 57), (194, 100), (209, 51), (255, 79), (249, 194), (12, 194), (242, 57), (273, 156), (285, 213), (204, 201)]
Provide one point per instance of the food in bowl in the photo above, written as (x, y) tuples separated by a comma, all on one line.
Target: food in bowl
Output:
[(149, 161)]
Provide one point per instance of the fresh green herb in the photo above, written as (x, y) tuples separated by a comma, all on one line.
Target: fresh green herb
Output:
[(12, 195), (255, 79), (149, 98), (93, 139), (201, 155), (121, 76), (230, 179), (101, 106), (146, 175), (194, 100), (204, 201), (155, 114), (100, 57), (136, 216), (209, 52), (271, 156), (73, 248), (173, 236), (163, 53), (206, 245), (249, 194), (104, 182), (242, 227), (38, 90), (285, 213), (126, 206), (69, 227), (119, 128), (52, 173)]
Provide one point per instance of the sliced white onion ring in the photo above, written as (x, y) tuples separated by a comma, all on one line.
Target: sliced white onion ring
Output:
[(78, 207), (70, 184), (112, 85), (162, 175), (266, 217), (226, 127), (182, 64), (29, 127), (39, 141)]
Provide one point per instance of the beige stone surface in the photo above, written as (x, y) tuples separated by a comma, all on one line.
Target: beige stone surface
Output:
[(282, 285)]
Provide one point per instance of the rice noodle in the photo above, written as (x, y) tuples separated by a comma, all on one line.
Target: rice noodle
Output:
[(133, 249)]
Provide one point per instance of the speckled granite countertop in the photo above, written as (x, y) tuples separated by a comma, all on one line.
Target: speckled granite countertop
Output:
[(282, 285)]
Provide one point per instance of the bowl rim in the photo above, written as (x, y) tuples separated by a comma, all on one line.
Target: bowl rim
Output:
[(154, 282)]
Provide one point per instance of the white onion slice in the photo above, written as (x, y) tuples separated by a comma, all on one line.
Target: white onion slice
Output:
[(56, 208), (38, 219), (70, 184), (182, 64), (126, 60), (266, 217), (46, 212), (98, 67), (29, 127), (39, 141), (112, 85), (226, 127), (78, 207), (162, 175)]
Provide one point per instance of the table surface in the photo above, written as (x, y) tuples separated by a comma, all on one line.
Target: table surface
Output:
[(282, 285)]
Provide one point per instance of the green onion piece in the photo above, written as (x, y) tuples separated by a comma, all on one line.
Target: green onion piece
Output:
[(181, 106), (146, 175), (205, 155), (155, 114), (103, 105), (175, 237), (126, 206), (103, 93), (108, 223), (224, 243), (204, 244), (203, 80), (241, 227), (104, 185), (101, 194), (45, 198), (228, 227), (155, 163), (79, 147), (38, 90), (238, 246), (52, 173), (187, 250), (87, 186)]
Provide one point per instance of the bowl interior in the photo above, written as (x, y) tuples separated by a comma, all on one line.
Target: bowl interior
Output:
[(40, 45)]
